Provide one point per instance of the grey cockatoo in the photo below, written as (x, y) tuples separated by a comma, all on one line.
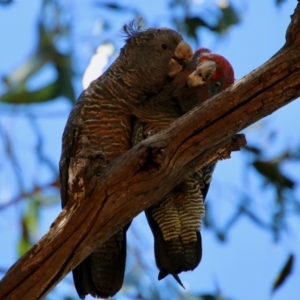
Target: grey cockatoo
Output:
[(176, 220), (101, 121)]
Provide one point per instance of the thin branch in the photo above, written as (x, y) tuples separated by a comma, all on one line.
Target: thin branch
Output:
[(34, 191)]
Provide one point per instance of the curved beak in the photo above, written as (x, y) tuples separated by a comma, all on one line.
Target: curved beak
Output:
[(182, 56), (203, 73)]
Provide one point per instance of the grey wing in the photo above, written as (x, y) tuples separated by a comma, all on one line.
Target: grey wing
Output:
[(69, 145)]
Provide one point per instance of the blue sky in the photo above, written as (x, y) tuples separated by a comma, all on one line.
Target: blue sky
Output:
[(242, 268)]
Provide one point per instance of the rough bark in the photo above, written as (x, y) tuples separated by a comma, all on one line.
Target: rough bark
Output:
[(140, 177)]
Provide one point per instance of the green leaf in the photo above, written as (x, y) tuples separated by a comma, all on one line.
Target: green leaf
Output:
[(24, 71), (4, 2), (23, 246), (61, 86), (252, 149), (221, 235), (29, 225), (279, 2), (284, 273), (118, 8), (113, 6), (192, 24), (229, 16), (21, 95), (24, 243), (272, 173), (44, 53), (210, 297), (32, 216)]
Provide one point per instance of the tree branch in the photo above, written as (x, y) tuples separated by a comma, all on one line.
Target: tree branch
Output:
[(139, 178)]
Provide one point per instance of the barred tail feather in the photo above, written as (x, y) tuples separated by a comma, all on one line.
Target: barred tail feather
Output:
[(173, 256)]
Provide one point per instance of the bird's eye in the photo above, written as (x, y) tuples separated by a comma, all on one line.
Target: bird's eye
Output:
[(217, 84), (200, 75), (164, 46)]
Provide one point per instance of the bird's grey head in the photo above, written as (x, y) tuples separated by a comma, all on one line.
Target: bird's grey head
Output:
[(154, 54)]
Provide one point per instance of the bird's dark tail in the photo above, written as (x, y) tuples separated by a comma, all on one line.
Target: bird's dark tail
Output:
[(173, 256), (101, 274), (176, 222)]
